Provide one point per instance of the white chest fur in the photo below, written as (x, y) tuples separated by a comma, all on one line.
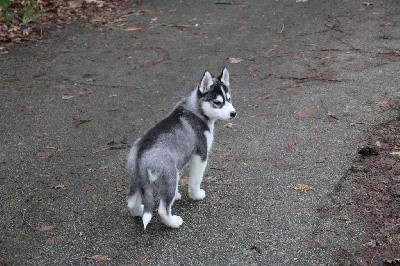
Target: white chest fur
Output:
[(209, 136)]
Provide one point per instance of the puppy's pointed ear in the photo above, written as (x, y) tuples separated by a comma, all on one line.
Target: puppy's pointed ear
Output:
[(206, 82), (224, 77)]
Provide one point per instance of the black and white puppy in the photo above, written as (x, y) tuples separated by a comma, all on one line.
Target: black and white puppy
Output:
[(183, 137)]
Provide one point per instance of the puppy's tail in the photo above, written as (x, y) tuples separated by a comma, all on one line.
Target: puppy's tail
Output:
[(148, 204), (140, 189)]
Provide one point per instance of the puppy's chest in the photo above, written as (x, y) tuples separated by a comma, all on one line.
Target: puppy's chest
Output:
[(209, 137)]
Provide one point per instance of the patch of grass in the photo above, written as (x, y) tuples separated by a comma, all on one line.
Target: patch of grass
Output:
[(21, 12)]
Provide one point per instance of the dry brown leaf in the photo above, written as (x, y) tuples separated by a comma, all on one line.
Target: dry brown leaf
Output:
[(245, 26), (184, 180), (332, 115), (234, 60), (305, 113), (99, 3), (181, 27), (384, 104), (60, 186), (228, 125), (30, 110), (45, 228), (221, 158), (46, 153), (79, 122), (264, 96), (211, 179), (51, 240), (355, 123), (134, 27), (303, 187)]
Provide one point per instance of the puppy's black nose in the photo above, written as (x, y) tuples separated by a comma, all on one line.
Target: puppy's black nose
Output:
[(233, 114)]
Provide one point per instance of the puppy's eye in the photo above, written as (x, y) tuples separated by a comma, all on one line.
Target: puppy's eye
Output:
[(216, 102)]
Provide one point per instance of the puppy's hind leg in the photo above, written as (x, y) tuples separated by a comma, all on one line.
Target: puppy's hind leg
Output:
[(135, 202), (168, 193)]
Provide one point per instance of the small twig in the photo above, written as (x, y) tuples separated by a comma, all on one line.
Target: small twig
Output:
[(23, 218), (314, 78), (283, 27), (104, 149), (373, 258)]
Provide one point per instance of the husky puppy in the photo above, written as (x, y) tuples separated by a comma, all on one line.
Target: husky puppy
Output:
[(183, 137)]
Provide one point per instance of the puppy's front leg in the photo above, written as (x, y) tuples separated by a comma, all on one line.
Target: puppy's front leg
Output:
[(196, 173)]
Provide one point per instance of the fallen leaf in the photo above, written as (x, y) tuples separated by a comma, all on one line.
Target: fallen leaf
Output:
[(30, 110), (184, 180), (79, 122), (228, 125), (367, 4), (332, 116), (67, 97), (103, 167), (151, 12), (221, 158), (145, 63), (266, 54), (305, 113), (86, 92), (245, 26), (143, 257), (384, 104), (371, 243), (355, 123), (394, 261), (257, 249), (347, 220), (234, 60), (135, 27), (17, 238), (87, 189), (124, 210), (99, 258), (264, 96), (46, 153), (321, 159), (211, 179), (51, 240), (60, 186), (45, 228), (119, 189), (284, 166), (303, 187), (180, 26), (14, 178), (214, 199)]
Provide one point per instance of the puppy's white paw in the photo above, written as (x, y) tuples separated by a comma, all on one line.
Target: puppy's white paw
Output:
[(197, 194), (175, 221), (178, 196), (136, 210), (172, 221)]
